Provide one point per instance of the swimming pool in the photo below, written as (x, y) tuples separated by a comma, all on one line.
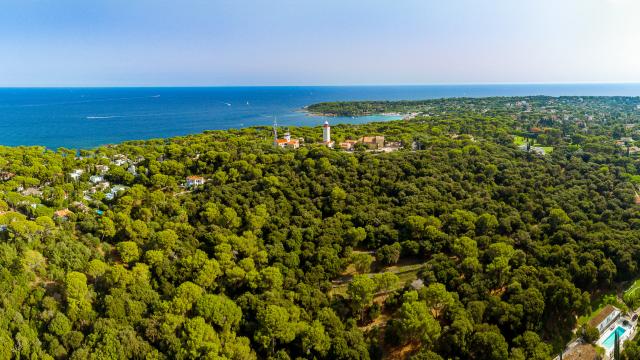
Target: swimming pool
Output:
[(610, 340)]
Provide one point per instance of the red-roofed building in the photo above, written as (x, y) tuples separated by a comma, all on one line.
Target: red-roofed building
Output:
[(288, 142), (194, 180), (5, 175), (62, 213)]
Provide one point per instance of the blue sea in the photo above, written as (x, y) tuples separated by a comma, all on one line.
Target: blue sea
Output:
[(89, 117)]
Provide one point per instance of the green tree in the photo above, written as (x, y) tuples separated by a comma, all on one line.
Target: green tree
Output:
[(108, 228), (362, 262), (360, 291), (416, 323), (389, 254), (128, 251), (315, 338), (185, 297), (78, 297), (220, 311), (276, 324), (386, 281), (60, 325), (488, 344)]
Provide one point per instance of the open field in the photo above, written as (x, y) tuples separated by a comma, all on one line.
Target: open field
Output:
[(405, 273), (633, 289), (520, 140)]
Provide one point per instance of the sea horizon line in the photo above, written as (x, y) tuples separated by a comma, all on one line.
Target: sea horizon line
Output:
[(452, 84)]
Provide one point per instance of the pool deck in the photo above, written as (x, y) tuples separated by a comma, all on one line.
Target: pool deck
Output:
[(630, 332)]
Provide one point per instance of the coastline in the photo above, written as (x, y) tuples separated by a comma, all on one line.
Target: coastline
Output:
[(58, 117), (402, 116)]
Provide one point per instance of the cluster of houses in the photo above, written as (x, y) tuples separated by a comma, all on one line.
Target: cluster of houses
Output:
[(370, 142), (287, 141), (98, 181), (627, 142), (95, 177)]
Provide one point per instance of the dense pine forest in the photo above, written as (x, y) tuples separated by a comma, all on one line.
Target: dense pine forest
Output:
[(462, 244)]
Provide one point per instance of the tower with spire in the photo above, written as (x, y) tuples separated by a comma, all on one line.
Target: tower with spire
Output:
[(287, 141)]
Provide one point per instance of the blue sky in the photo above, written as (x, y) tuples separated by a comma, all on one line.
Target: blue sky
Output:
[(301, 42)]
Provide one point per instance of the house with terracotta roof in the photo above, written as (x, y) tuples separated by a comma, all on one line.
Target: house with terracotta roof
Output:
[(6, 176), (292, 143), (287, 141), (348, 145), (62, 213), (633, 150), (604, 318), (194, 180), (373, 142)]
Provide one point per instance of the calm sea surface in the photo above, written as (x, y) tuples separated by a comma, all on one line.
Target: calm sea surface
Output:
[(88, 117)]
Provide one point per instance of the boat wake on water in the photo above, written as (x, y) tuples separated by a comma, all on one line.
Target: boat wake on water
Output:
[(102, 117)]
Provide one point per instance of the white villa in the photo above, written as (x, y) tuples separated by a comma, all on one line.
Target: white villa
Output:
[(96, 179), (605, 317), (114, 191), (195, 181), (101, 169), (75, 174), (120, 160), (288, 142)]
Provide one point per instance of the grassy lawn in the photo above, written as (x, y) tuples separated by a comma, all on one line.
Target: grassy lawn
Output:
[(632, 294), (520, 140), (404, 272), (633, 288), (596, 305)]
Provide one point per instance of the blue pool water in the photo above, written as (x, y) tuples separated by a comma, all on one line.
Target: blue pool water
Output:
[(88, 117), (610, 340)]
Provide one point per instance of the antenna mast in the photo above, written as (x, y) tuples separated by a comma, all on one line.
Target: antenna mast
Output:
[(275, 131)]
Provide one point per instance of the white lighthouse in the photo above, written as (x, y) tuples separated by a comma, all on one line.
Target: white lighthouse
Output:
[(326, 132)]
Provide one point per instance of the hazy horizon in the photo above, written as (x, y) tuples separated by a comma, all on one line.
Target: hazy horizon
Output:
[(72, 43), (331, 85)]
